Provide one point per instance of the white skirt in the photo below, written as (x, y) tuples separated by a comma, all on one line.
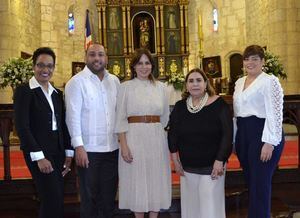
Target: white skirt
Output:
[(202, 197), (145, 184)]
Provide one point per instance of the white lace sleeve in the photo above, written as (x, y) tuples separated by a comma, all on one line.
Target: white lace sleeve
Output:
[(273, 96)]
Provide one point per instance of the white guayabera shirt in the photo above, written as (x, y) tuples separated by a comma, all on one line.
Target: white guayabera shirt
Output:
[(91, 109)]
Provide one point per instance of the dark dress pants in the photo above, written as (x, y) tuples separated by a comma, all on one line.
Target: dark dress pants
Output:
[(258, 174), (98, 185), (50, 187)]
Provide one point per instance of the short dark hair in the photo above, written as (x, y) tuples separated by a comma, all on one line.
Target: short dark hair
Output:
[(43, 50), (95, 43), (209, 88), (135, 59), (254, 50)]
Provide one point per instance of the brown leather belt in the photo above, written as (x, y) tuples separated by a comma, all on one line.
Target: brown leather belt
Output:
[(143, 119)]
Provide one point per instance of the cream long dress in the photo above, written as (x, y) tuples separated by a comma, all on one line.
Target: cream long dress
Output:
[(144, 184)]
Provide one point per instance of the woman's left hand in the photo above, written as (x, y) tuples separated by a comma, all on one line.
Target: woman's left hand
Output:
[(218, 169), (67, 166), (266, 152)]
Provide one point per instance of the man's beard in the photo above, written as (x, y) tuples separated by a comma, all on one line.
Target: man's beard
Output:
[(96, 70)]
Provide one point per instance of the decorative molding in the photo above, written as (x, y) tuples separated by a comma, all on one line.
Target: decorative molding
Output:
[(101, 3), (142, 2), (161, 68), (113, 2), (171, 2), (184, 2)]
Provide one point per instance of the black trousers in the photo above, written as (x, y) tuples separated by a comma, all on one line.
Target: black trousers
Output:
[(98, 185), (258, 174), (50, 187)]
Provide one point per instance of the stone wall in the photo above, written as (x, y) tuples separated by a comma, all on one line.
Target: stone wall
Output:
[(276, 24), (271, 23), (20, 31), (230, 37), (68, 47)]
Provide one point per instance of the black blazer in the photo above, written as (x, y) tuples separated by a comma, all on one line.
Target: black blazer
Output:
[(33, 119)]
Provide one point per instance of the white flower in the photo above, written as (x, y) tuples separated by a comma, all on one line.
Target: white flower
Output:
[(15, 72), (273, 66)]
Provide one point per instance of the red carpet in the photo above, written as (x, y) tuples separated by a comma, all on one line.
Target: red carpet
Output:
[(289, 159)]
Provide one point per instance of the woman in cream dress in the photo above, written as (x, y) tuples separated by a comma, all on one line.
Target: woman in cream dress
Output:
[(144, 164)]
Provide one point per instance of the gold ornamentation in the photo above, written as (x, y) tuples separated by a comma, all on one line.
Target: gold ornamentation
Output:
[(116, 69), (161, 66), (173, 66), (127, 66), (113, 2)]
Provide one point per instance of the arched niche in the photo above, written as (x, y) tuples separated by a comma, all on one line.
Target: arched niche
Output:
[(143, 31), (235, 66)]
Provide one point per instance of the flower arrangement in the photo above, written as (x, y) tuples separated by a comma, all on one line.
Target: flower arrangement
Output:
[(273, 66), (15, 72), (176, 79)]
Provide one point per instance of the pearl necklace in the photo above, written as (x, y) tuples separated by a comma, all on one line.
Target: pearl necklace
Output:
[(197, 108)]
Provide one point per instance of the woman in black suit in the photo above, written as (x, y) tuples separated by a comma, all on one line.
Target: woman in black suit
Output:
[(40, 124)]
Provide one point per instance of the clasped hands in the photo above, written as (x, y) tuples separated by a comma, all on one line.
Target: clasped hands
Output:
[(218, 168)]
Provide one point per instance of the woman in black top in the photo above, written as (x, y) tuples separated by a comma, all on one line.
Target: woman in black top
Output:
[(201, 133)]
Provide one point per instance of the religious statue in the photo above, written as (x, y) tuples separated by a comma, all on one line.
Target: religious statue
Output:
[(114, 19), (115, 47), (144, 34), (171, 19), (143, 31), (172, 43)]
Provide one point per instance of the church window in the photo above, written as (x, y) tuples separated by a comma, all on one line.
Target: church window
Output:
[(71, 23), (215, 20)]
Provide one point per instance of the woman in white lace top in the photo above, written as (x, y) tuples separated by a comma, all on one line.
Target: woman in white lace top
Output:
[(258, 105)]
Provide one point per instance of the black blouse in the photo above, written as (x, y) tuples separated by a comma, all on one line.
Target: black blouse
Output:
[(202, 137)]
